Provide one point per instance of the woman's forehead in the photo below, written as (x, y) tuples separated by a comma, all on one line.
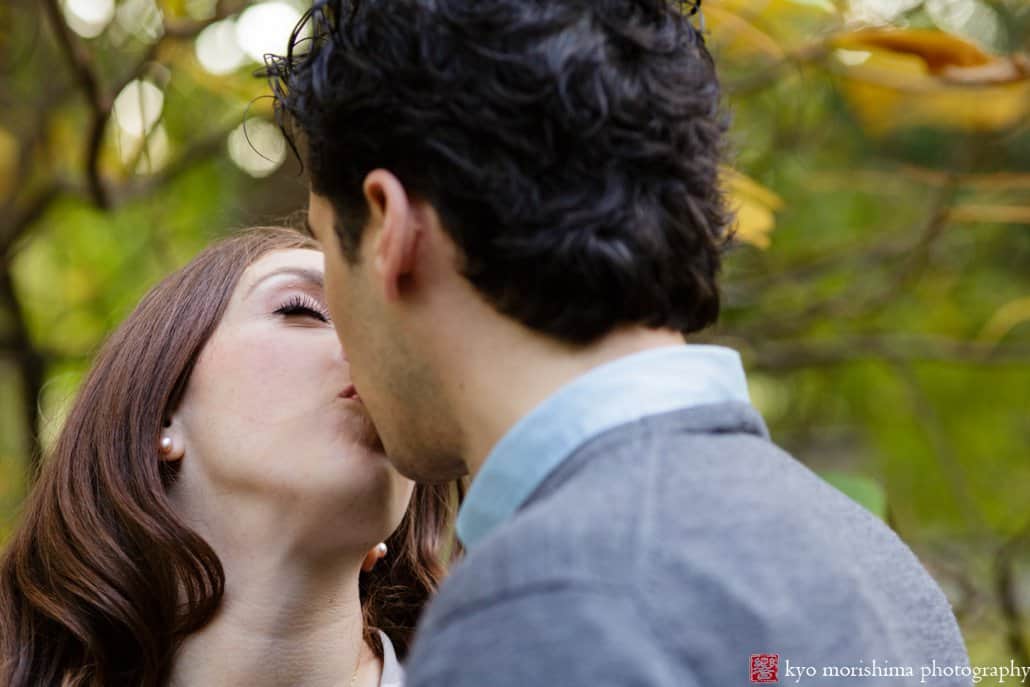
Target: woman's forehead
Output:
[(306, 258), (301, 263), (303, 260)]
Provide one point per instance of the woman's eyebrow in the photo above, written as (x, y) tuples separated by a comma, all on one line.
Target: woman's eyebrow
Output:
[(308, 275)]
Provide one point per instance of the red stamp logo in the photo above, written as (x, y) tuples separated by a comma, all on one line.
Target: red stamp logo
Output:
[(765, 667)]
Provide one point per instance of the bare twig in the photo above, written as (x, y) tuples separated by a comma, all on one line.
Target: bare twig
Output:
[(189, 29), (100, 100), (970, 600), (22, 220), (792, 355), (767, 76), (1005, 588), (81, 64), (31, 367), (200, 150), (914, 254), (176, 30), (931, 425), (27, 204), (79, 59), (14, 62)]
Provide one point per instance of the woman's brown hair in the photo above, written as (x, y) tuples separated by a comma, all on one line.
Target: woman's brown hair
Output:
[(102, 581)]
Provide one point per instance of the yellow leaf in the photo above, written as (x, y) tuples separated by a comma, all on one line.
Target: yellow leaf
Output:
[(936, 49), (732, 34), (12, 488), (772, 27), (1007, 318), (754, 224), (755, 206), (900, 78), (1009, 70), (8, 161), (1000, 214)]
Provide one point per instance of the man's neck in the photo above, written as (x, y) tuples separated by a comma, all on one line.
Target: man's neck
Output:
[(492, 392), (281, 624)]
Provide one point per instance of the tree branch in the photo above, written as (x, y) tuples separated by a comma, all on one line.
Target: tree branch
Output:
[(913, 253), (34, 209), (184, 29), (1005, 588), (79, 59), (31, 368), (27, 204), (941, 448), (99, 100), (766, 77), (200, 150), (81, 64), (792, 355)]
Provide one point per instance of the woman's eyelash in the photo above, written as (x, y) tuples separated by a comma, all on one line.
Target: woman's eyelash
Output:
[(299, 305)]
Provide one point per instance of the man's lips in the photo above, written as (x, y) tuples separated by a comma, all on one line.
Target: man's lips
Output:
[(350, 392)]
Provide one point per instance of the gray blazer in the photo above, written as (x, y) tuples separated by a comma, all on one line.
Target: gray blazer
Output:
[(668, 551)]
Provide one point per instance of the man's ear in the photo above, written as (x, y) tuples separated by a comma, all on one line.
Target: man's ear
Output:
[(399, 232)]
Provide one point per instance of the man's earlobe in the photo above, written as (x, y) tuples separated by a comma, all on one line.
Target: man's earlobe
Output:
[(397, 236)]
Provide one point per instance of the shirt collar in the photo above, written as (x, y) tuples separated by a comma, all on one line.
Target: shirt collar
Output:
[(648, 383)]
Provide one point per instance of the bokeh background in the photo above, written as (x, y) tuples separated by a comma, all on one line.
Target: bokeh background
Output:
[(879, 290)]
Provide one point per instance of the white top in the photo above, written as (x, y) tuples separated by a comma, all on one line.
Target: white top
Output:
[(393, 674)]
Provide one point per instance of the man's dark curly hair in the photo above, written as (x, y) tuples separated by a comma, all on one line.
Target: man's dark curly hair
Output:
[(571, 147)]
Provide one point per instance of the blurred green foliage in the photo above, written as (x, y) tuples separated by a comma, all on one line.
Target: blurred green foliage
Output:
[(878, 293)]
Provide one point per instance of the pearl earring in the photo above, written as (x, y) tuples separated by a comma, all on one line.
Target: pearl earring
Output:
[(166, 444), (374, 556)]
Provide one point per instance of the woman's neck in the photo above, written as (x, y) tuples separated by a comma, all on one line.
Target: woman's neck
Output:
[(282, 624)]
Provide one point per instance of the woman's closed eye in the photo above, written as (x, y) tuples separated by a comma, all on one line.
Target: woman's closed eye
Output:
[(302, 306)]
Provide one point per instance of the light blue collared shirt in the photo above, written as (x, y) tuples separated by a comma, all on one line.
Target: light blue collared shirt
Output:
[(648, 383)]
